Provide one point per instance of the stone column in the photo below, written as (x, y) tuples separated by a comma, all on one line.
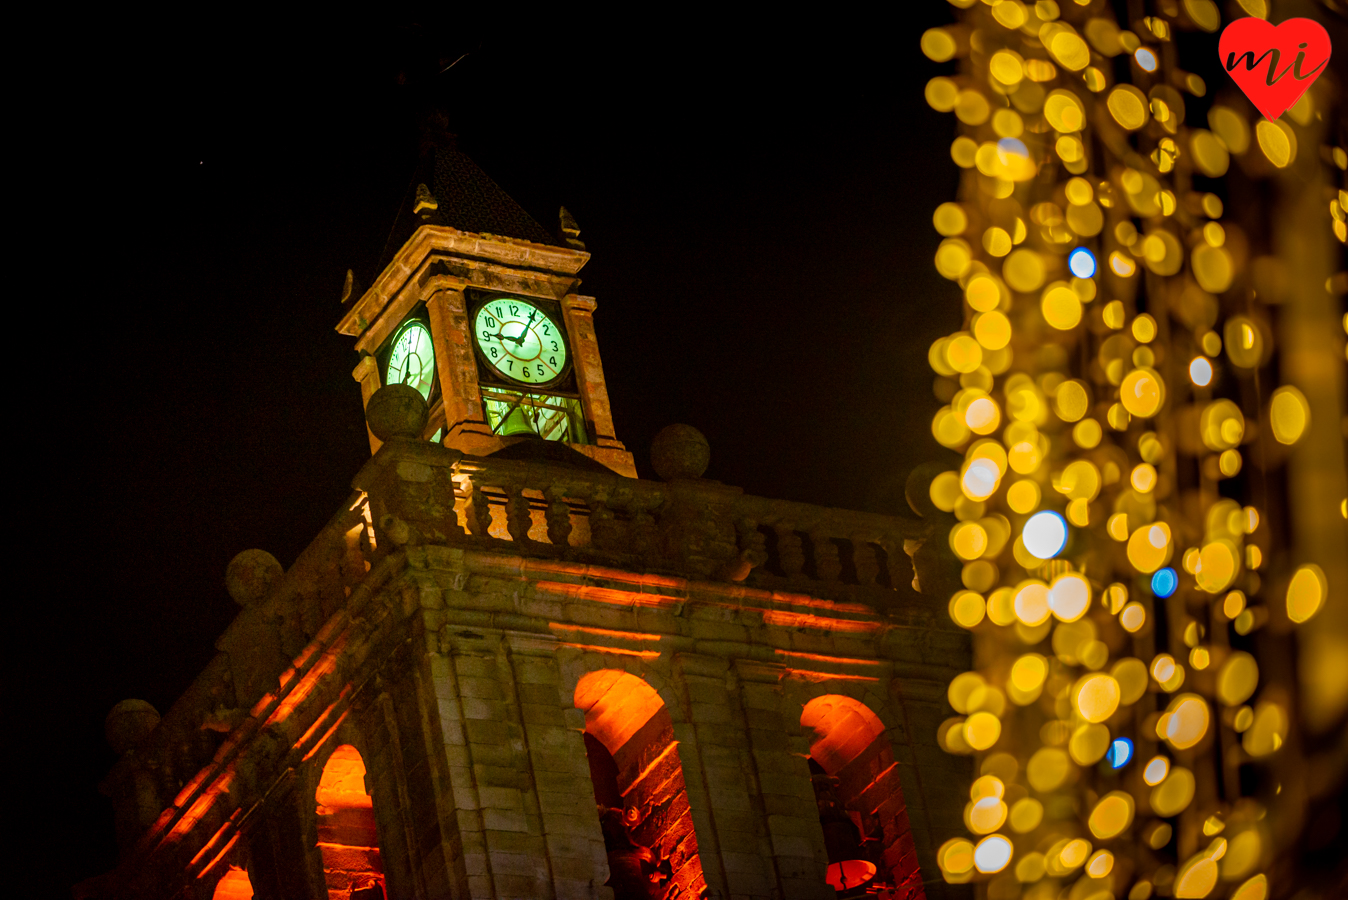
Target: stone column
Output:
[(579, 312), (367, 373), (457, 368)]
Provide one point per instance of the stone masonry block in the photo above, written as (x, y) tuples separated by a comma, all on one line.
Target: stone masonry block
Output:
[(761, 696), (486, 731), (530, 670), (592, 889), (543, 714), (484, 688), (532, 864), (477, 708), (541, 694), (476, 666), (504, 820), (712, 714), (500, 798), (787, 845), (578, 825)]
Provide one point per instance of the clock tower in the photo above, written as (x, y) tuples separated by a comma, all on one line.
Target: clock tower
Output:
[(480, 311)]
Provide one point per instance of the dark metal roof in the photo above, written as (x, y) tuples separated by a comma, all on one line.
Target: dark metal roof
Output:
[(470, 201)]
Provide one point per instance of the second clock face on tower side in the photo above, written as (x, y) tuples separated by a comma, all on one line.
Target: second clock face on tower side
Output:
[(520, 341), (412, 359)]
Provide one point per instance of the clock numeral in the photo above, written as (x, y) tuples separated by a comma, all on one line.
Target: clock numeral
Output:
[(514, 310), (510, 364), (491, 323), (547, 330), (487, 335), (553, 361), (498, 314), (540, 370), (554, 345), (493, 352)]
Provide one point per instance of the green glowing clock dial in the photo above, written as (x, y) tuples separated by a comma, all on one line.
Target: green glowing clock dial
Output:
[(519, 341), (412, 360)]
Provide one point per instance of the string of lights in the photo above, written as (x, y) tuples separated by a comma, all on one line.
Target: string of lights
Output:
[(1134, 386)]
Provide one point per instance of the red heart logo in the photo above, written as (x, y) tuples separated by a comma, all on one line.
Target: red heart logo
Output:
[(1274, 64)]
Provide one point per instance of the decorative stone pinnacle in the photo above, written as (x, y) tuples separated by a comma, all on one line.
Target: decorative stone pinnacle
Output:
[(680, 451), (397, 411), (426, 201), (250, 575)]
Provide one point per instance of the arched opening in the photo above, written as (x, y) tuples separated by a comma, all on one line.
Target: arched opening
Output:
[(639, 789), (233, 885), (347, 836), (856, 784)]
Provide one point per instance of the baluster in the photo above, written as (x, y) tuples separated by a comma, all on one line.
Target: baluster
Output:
[(789, 552), (827, 567), (518, 516), (645, 534), (558, 515), (605, 532), (752, 543), (863, 556), (479, 509)]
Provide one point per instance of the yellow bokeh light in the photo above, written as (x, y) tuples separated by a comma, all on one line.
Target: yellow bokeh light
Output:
[(1186, 721), (1100, 864), (941, 93), (983, 416), (1001, 606), (1069, 597), (1071, 401), (1026, 814), (1133, 617), (1074, 853), (981, 730), (967, 609), (1196, 878), (1306, 593), (938, 44), (1254, 889), (961, 688), (1221, 425), (1218, 563), (1024, 270), (1061, 307), (1079, 481), (1244, 341), (1144, 328), (956, 856), (1156, 770), (1143, 478), (997, 241), (1131, 674), (1031, 602), (1087, 433), (1172, 795), (1142, 392), (1007, 66), (1064, 112), (1028, 673), (950, 219), (1150, 547), (1267, 731), (1111, 816), (1124, 267), (1013, 16), (983, 293), (1088, 744), (1277, 141), (1079, 191), (985, 815), (1096, 697), (963, 353), (1023, 496), (1237, 678), (992, 330), (1047, 769), (1229, 463), (1289, 414)]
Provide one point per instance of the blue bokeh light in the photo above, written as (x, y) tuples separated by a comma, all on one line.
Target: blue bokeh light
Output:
[(1120, 752), (1164, 582), (1082, 262)]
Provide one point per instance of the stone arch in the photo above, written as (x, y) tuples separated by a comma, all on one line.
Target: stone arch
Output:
[(233, 885), (862, 812), (347, 835), (633, 756)]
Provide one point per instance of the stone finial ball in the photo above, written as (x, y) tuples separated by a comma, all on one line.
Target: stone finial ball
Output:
[(128, 723), (250, 575), (680, 451), (397, 411)]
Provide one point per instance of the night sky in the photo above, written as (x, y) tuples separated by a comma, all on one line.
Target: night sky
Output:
[(757, 199)]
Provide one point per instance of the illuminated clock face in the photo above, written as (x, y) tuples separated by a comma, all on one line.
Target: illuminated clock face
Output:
[(520, 341), (412, 360)]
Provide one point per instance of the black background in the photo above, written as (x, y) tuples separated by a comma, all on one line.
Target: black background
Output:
[(757, 197)]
